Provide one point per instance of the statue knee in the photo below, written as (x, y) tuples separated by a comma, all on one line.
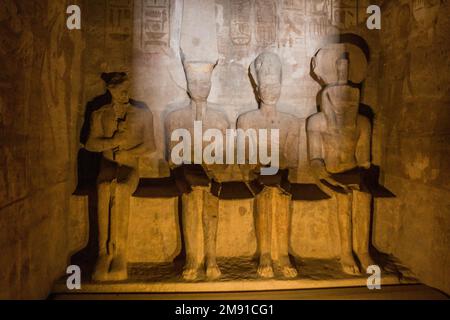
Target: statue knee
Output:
[(103, 187), (123, 187)]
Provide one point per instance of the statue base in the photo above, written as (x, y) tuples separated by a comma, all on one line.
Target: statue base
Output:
[(238, 274)]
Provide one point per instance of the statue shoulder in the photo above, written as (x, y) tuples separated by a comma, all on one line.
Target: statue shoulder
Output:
[(139, 115), (176, 116), (218, 117), (247, 118), (315, 122), (178, 113), (287, 117), (363, 122), (100, 111), (143, 111)]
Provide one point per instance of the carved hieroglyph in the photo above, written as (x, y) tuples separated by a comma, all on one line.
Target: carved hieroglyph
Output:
[(200, 207), (272, 220), (123, 133), (339, 141), (119, 33), (240, 27), (155, 33)]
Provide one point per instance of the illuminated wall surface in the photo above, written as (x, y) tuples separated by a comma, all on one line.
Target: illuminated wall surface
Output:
[(50, 84)]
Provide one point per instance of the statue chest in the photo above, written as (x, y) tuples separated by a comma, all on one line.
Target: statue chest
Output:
[(189, 123), (340, 145), (110, 122)]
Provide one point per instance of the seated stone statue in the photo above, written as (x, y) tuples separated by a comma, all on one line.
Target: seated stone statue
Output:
[(273, 202), (122, 133), (199, 206), (339, 153)]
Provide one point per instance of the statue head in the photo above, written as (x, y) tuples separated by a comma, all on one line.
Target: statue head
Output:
[(342, 68), (266, 71), (340, 63), (198, 77), (118, 84)]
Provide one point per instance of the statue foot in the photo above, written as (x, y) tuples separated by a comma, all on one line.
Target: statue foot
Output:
[(287, 269), (118, 270), (191, 271), (191, 274), (349, 265), (265, 269), (101, 268), (365, 260), (213, 272)]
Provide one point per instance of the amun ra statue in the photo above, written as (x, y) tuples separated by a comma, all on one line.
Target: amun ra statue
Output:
[(199, 205), (273, 202)]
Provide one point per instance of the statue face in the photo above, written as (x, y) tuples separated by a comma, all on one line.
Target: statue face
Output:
[(342, 70), (266, 70), (120, 92), (269, 89), (341, 100), (198, 81)]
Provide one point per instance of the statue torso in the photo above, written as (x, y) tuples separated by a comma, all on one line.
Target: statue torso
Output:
[(132, 118), (184, 119), (288, 127), (338, 126)]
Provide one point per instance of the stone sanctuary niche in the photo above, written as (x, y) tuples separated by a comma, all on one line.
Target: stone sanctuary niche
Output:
[(223, 145)]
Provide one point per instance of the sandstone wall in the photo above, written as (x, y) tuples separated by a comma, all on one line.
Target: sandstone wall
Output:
[(40, 85), (48, 76), (414, 97)]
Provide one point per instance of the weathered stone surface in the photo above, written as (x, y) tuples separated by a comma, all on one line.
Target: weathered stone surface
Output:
[(414, 99), (236, 229), (154, 230), (239, 274), (46, 80), (40, 90)]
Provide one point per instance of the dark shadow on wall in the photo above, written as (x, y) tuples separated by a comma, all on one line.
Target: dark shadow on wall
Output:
[(88, 169)]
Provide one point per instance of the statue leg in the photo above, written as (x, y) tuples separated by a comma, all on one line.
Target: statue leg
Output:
[(361, 227), (104, 259), (264, 232), (281, 216), (193, 232), (344, 211), (210, 221), (127, 181)]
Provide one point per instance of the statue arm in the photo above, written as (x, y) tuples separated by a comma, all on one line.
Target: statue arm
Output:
[(314, 142), (147, 145), (290, 149), (96, 142), (168, 142), (363, 145), (247, 169), (315, 155), (316, 160)]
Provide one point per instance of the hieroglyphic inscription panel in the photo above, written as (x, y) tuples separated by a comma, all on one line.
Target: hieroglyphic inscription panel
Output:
[(266, 22), (119, 29), (155, 32), (240, 23)]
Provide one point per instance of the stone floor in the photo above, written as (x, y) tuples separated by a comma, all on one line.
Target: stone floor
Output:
[(397, 292), (238, 274)]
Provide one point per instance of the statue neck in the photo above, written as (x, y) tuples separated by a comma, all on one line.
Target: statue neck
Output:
[(342, 120), (333, 100), (199, 109), (268, 110)]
